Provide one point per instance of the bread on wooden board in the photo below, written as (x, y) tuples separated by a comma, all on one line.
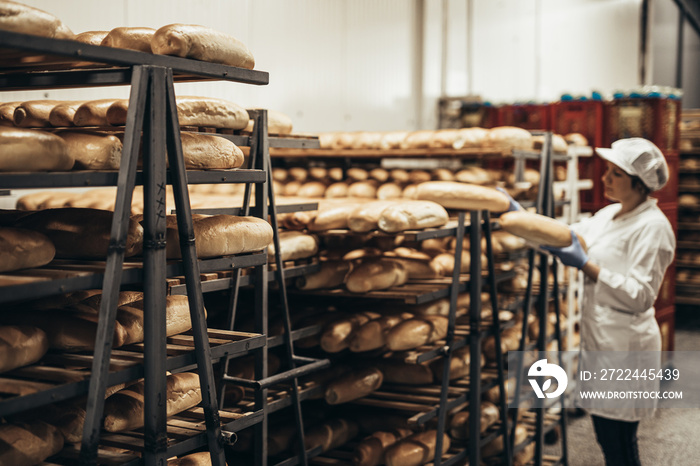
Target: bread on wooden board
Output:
[(28, 443), (27, 150), (24, 249), (202, 43), (21, 345), (91, 37), (353, 385), (416, 449), (93, 112), (133, 38), (462, 196), (93, 150), (332, 215), (18, 17)]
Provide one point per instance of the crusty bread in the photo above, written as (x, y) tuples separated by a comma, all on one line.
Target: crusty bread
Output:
[(28, 443), (31, 150), (91, 37), (379, 174), (24, 249), (124, 410), (392, 139), (536, 228), (335, 190), (331, 434), (376, 275), (93, 113), (411, 215), (416, 449), (34, 113), (389, 191), (366, 216), (202, 43), (331, 275), (21, 345), (454, 195), (335, 336), (417, 139), (459, 424), (294, 245), (311, 189), (508, 138), (134, 38), (471, 137), (354, 385), (222, 235), (372, 335), (204, 151), (63, 113), (202, 458), (576, 139), (370, 451), (332, 215), (7, 113), (416, 332), (400, 372), (81, 232), (93, 150), (495, 447), (459, 364), (18, 17), (363, 189)]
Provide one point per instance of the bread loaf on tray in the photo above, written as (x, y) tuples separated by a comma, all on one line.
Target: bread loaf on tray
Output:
[(370, 451), (17, 17), (28, 443), (28, 150), (462, 196), (133, 38), (412, 215), (34, 113), (376, 275), (23, 249), (21, 345), (416, 449)]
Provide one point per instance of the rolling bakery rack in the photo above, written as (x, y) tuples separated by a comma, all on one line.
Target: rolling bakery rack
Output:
[(31, 62)]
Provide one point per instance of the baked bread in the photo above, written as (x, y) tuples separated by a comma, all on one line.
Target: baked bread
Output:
[(62, 114), (91, 37), (576, 139), (7, 113), (81, 232), (331, 275), (459, 424), (202, 43), (363, 189), (133, 38), (28, 443), (222, 235), (203, 151), (454, 195), (34, 113), (21, 345), (372, 335), (366, 216), (93, 150), (356, 384), (93, 113), (294, 245), (331, 434), (370, 451), (125, 409), (537, 229), (332, 215), (18, 17), (32, 150), (336, 333), (416, 332), (412, 215), (376, 275), (403, 373), (509, 138), (277, 123), (336, 190), (389, 191), (416, 449), (24, 249), (311, 189)]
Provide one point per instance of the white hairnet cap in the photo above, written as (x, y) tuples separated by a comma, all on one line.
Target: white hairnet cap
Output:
[(639, 157)]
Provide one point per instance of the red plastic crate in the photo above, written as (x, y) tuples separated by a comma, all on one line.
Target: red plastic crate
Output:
[(655, 119), (666, 318), (527, 116), (667, 292), (592, 168), (585, 117)]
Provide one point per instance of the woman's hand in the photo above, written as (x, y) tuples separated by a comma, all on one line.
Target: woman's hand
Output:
[(573, 256), (514, 205)]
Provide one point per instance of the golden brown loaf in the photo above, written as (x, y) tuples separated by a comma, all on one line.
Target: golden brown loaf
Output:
[(17, 17), (31, 150), (221, 235), (62, 114), (372, 335), (331, 275), (21, 345), (370, 451), (93, 113), (93, 150), (28, 443), (202, 43), (204, 151), (7, 113), (91, 37), (459, 425), (24, 249), (454, 195), (134, 38), (335, 336), (416, 449), (366, 216), (354, 385), (294, 245), (536, 228), (124, 410), (331, 434), (34, 113), (416, 332), (389, 191), (508, 138), (412, 215), (376, 275), (400, 372)]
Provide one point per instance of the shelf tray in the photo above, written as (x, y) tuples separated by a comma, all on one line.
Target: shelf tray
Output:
[(384, 153)]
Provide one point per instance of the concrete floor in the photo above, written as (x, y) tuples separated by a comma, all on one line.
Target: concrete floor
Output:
[(671, 438)]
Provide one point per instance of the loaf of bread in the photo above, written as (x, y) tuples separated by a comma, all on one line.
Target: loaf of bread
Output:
[(202, 43), (91, 37), (81, 232), (277, 123), (363, 189), (7, 113), (365, 217), (495, 447), (379, 174), (203, 151), (372, 335), (331, 434), (416, 332), (392, 139), (93, 150), (471, 137), (459, 424), (370, 451), (124, 410), (336, 190), (331, 275), (474, 175), (34, 113), (412, 215), (202, 458), (311, 189), (510, 341), (26, 150), (18, 17), (508, 138), (294, 245), (24, 249), (28, 443), (576, 139), (376, 275), (222, 235), (403, 373), (454, 195), (335, 336), (133, 38), (536, 228), (389, 191), (62, 114), (416, 449), (21, 345), (93, 113), (443, 174), (417, 140), (354, 385), (459, 364), (332, 215)]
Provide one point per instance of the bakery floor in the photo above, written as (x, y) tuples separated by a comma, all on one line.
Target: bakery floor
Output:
[(671, 437)]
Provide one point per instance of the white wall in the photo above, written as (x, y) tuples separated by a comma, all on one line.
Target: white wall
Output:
[(349, 64)]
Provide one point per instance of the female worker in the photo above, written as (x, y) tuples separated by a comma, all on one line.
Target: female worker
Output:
[(630, 245)]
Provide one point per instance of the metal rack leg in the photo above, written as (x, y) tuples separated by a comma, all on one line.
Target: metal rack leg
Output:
[(542, 305), (194, 286), (557, 332), (474, 340), (113, 268)]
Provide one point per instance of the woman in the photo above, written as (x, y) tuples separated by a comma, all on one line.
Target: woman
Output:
[(630, 245)]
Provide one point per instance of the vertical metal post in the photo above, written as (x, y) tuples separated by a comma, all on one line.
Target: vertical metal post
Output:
[(557, 333), (449, 339), (194, 285), (474, 340), (155, 424), (113, 268)]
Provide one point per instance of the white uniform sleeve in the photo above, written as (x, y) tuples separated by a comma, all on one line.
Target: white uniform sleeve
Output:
[(650, 252)]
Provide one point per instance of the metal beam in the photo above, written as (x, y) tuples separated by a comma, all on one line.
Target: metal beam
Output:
[(691, 11)]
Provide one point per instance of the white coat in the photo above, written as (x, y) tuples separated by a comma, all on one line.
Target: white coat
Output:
[(633, 252)]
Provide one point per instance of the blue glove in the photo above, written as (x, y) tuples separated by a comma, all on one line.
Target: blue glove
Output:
[(513, 203), (573, 256)]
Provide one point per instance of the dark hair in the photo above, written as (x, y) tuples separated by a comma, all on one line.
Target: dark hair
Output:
[(639, 185)]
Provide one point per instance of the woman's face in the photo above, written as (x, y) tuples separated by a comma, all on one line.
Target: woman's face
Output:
[(617, 183)]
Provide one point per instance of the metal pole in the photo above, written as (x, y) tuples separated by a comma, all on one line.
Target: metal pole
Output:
[(474, 340)]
